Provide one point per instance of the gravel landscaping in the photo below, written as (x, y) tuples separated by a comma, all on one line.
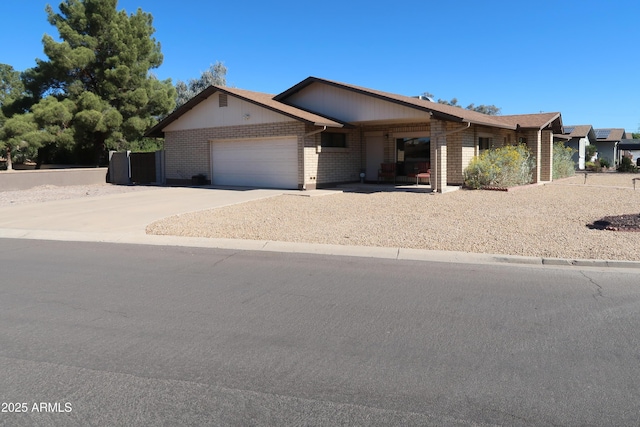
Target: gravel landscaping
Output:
[(548, 220)]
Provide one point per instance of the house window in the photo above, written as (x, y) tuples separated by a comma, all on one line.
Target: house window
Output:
[(222, 100), (522, 140), (410, 152), (414, 149), (335, 140), (484, 143)]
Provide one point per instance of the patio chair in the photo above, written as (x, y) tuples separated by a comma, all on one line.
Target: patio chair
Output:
[(387, 170), (422, 170)]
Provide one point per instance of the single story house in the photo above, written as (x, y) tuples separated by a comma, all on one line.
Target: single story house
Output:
[(319, 133), (607, 141), (578, 137)]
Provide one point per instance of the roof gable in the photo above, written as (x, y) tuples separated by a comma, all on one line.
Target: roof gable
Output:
[(437, 110), (262, 100)]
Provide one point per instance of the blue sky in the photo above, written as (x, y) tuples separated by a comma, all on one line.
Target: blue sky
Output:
[(577, 57)]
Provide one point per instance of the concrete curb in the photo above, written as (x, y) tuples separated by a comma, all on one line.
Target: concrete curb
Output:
[(400, 254)]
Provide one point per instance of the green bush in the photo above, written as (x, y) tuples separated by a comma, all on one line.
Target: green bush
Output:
[(563, 164), (627, 165), (605, 163), (500, 167)]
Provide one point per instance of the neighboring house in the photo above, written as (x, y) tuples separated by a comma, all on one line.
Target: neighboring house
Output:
[(607, 141), (578, 137), (320, 133)]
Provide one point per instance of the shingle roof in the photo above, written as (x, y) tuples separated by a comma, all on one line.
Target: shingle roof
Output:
[(443, 111), (531, 121), (614, 135), (577, 131), (258, 98)]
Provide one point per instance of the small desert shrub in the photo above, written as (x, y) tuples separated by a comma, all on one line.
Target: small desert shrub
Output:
[(627, 165), (500, 167), (563, 164)]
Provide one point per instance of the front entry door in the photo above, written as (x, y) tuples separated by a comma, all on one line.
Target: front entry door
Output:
[(375, 156)]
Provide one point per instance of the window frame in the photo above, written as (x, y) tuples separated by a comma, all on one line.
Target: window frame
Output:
[(484, 139), (333, 140)]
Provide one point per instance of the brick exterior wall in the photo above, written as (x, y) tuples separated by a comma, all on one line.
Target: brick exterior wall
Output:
[(439, 154), (461, 148), (332, 166), (188, 152), (546, 156), (533, 137)]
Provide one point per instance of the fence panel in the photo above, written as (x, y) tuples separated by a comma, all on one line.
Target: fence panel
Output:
[(143, 168)]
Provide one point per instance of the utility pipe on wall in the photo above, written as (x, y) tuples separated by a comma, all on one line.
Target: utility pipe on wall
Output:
[(315, 131)]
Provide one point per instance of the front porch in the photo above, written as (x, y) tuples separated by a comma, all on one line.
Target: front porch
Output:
[(447, 148)]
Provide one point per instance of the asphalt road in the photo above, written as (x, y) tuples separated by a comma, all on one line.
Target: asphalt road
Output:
[(108, 334)]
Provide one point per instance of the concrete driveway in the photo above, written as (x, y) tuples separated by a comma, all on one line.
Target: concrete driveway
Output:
[(123, 218), (127, 213)]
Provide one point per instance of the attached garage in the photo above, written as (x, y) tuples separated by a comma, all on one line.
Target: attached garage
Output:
[(259, 162)]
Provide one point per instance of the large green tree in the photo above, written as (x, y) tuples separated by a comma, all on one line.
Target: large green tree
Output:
[(11, 94), (11, 88), (102, 65), (16, 134)]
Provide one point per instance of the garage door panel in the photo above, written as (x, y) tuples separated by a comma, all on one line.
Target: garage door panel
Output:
[(255, 163)]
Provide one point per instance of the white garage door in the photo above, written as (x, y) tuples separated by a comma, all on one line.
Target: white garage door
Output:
[(270, 163)]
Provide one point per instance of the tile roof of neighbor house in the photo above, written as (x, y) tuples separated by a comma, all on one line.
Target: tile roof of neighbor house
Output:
[(613, 135), (259, 98), (443, 111)]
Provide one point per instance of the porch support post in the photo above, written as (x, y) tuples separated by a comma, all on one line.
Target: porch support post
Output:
[(438, 156), (546, 156), (534, 141)]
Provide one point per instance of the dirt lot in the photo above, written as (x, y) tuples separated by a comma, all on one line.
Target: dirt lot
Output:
[(549, 220)]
